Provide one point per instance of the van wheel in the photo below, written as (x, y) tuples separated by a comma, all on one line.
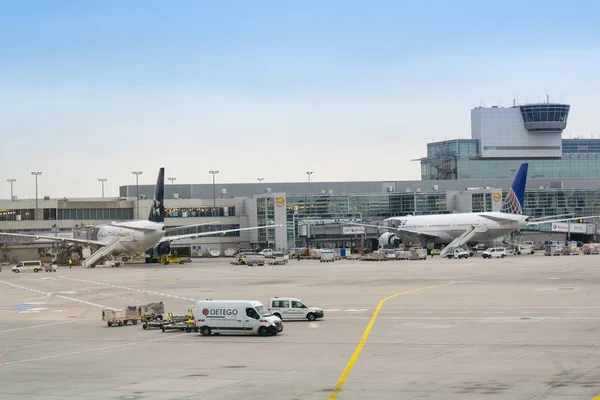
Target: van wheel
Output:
[(17, 271), (502, 256), (36, 270), (311, 317), (278, 316), (263, 331), (205, 331)]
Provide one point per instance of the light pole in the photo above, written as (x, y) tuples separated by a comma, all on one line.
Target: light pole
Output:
[(172, 180), (213, 173), (137, 192), (36, 174), (102, 180), (309, 173), (11, 180)]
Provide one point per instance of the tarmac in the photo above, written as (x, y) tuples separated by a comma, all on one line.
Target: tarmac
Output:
[(523, 327)]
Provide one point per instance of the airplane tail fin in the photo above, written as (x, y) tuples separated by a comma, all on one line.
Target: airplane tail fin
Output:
[(157, 211), (513, 203)]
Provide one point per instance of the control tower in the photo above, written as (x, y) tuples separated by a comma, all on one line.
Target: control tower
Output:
[(526, 131)]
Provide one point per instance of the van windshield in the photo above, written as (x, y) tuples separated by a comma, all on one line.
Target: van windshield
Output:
[(263, 312)]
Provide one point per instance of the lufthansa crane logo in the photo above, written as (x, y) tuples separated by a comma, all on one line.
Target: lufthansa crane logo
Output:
[(280, 201), (497, 197)]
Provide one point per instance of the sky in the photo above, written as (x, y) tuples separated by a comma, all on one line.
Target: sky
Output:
[(352, 90)]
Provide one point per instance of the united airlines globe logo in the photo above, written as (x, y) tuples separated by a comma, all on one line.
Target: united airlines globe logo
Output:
[(511, 204)]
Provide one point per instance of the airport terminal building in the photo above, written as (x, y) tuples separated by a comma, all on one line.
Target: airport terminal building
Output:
[(462, 175)]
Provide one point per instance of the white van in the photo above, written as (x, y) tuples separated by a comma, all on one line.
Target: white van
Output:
[(28, 266), (290, 308), (236, 316), (494, 252)]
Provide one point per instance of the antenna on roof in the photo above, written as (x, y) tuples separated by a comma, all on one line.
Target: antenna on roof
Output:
[(547, 99)]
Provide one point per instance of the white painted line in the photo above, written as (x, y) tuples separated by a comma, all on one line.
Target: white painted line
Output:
[(126, 288), (89, 351), (45, 325), (56, 295)]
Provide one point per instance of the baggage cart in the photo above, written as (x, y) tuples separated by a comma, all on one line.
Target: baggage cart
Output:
[(152, 311), (121, 317)]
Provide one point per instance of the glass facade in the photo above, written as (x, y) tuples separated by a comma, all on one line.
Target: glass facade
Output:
[(356, 207), (200, 212), (545, 112), (377, 207), (580, 159), (204, 228), (265, 214), (17, 215), (114, 214)]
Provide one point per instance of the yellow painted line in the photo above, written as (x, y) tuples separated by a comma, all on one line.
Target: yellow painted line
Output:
[(365, 336), (596, 398)]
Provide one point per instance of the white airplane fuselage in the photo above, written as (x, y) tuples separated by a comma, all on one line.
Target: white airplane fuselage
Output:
[(132, 240), (450, 226)]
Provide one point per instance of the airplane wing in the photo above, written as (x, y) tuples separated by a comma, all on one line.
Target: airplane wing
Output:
[(549, 221), (54, 238), (409, 231), (507, 218), (196, 235), (176, 228)]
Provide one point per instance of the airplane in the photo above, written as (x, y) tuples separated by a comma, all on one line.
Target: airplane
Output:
[(486, 227), (139, 236)]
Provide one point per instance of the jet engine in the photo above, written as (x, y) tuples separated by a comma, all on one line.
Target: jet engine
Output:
[(162, 248), (388, 239)]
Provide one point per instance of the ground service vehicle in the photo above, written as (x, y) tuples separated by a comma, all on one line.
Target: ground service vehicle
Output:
[(494, 252), (459, 253), (166, 260), (152, 311), (236, 316), (290, 308), (278, 259), (121, 317), (418, 253), (327, 256), (252, 259), (50, 268), (28, 266)]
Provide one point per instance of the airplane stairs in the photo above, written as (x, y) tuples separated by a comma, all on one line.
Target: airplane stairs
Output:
[(101, 254), (461, 240)]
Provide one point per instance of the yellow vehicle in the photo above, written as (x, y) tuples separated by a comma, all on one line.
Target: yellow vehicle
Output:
[(167, 259)]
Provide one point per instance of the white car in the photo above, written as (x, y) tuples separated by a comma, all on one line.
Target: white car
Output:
[(289, 308), (494, 252), (459, 253)]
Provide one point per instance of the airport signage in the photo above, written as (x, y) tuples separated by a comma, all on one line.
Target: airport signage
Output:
[(353, 230), (560, 227), (578, 228)]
